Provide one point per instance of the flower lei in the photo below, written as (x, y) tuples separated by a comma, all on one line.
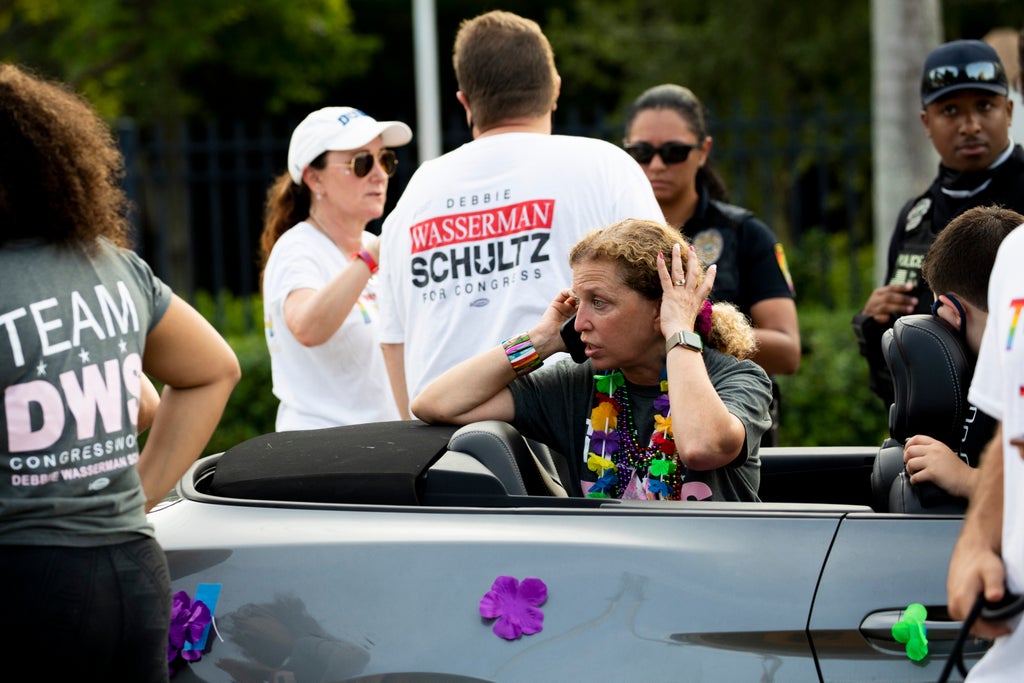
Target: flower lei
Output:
[(614, 454)]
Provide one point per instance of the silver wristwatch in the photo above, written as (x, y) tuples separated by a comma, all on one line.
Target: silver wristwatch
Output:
[(690, 340)]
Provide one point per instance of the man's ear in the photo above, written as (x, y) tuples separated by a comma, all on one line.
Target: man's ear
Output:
[(924, 122), (950, 313), (461, 97)]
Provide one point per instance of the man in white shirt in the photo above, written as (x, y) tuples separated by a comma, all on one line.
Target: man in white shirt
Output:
[(989, 555), (478, 244)]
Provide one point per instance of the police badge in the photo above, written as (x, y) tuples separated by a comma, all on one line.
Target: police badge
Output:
[(708, 245), (917, 213)]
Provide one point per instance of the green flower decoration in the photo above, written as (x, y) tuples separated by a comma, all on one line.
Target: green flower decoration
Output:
[(661, 468), (607, 384)]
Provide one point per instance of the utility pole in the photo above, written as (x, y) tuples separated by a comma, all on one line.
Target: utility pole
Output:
[(428, 104), (903, 32)]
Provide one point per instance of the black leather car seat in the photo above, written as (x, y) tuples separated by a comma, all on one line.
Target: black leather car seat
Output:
[(523, 467), (931, 369)]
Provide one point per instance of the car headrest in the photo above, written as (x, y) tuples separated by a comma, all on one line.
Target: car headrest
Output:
[(504, 451), (931, 370)]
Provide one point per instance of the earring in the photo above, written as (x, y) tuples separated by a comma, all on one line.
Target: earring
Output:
[(319, 195)]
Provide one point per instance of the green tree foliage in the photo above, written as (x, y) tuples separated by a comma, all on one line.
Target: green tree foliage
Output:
[(161, 60), (975, 18), (828, 403), (754, 52)]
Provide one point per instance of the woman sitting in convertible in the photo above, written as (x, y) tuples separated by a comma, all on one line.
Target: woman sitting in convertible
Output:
[(641, 417)]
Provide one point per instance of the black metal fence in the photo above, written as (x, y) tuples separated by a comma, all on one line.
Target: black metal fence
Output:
[(198, 192)]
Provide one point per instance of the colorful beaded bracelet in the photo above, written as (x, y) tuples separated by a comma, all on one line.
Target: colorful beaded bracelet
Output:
[(522, 354)]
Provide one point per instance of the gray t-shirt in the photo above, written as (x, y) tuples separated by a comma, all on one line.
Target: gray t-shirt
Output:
[(72, 332), (553, 404)]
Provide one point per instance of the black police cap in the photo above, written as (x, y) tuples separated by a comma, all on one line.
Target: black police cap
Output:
[(962, 65)]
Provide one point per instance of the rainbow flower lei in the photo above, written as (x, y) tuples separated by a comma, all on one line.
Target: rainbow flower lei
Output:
[(624, 467)]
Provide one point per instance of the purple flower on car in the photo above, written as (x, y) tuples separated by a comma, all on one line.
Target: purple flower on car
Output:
[(189, 618), (515, 605)]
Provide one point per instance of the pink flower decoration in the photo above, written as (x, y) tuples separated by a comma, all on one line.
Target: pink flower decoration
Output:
[(515, 605)]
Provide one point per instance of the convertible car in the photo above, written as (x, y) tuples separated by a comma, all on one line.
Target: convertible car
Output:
[(406, 552), (363, 553)]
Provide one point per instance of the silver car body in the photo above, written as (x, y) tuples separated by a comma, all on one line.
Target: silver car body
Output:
[(806, 590)]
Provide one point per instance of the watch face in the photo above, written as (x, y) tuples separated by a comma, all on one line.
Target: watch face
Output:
[(690, 340)]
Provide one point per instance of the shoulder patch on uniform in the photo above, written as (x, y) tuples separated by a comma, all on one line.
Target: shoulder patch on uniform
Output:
[(780, 257), (915, 214), (708, 245)]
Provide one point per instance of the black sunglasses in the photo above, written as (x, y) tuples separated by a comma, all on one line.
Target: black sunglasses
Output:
[(670, 152), (959, 74), (362, 163)]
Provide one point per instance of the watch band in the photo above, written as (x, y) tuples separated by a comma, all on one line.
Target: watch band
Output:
[(685, 338)]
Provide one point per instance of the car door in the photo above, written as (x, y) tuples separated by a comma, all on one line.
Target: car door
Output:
[(879, 564)]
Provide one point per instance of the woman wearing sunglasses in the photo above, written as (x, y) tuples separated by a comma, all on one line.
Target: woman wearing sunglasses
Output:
[(319, 261), (666, 132)]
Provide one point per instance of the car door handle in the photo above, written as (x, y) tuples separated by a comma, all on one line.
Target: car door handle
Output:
[(941, 632)]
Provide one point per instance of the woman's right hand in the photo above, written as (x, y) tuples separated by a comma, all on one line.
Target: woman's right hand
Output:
[(546, 334)]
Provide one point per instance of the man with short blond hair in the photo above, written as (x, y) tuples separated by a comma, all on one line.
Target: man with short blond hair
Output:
[(478, 244)]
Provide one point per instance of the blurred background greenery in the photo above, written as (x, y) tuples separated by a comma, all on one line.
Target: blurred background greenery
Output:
[(165, 64)]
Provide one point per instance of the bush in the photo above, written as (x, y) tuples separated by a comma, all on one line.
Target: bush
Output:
[(252, 408), (828, 402)]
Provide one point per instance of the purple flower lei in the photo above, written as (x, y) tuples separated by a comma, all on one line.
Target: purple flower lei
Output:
[(515, 605)]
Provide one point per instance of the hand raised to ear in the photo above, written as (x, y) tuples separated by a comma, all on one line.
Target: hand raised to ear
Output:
[(684, 290)]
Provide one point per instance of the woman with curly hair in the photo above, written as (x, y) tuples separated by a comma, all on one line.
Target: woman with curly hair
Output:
[(83, 319), (665, 405)]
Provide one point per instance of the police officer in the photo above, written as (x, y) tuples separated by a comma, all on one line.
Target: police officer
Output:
[(667, 134), (967, 115)]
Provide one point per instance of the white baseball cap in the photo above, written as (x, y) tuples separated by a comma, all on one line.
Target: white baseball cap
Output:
[(339, 128)]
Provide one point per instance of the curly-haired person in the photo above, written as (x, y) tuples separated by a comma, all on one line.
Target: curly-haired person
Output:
[(666, 405), (84, 322)]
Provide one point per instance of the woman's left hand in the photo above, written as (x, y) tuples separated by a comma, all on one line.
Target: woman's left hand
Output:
[(683, 291)]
